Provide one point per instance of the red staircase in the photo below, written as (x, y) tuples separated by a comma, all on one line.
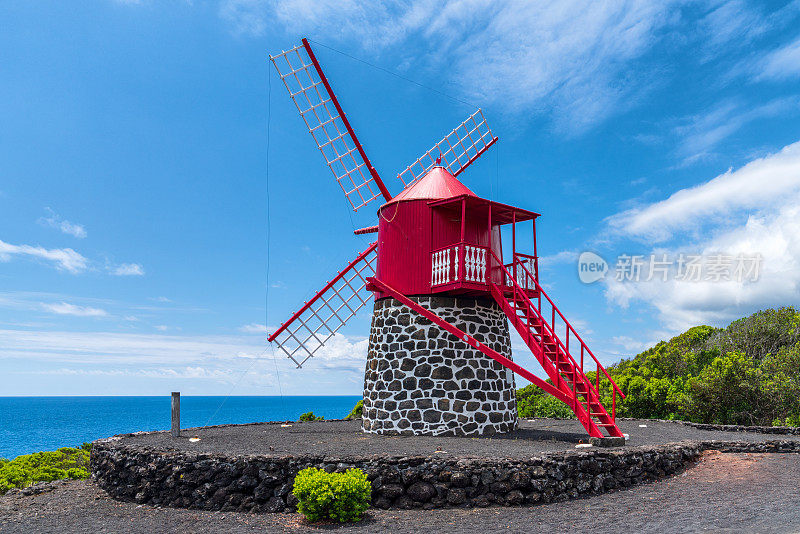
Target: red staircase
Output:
[(515, 296)]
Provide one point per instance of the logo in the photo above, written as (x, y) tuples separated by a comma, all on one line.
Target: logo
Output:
[(591, 267)]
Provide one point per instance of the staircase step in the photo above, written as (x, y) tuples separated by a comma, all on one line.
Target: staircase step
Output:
[(525, 315)]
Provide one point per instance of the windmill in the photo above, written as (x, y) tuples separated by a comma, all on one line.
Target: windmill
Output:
[(439, 359)]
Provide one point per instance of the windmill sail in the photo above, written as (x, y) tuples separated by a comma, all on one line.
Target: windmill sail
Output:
[(321, 317), (458, 149), (328, 125)]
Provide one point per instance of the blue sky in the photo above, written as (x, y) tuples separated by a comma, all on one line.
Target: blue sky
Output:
[(133, 171)]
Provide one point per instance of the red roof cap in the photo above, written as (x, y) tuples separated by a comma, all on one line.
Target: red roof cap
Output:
[(437, 184)]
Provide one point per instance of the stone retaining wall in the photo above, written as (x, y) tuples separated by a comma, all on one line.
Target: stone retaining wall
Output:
[(264, 484), (786, 430)]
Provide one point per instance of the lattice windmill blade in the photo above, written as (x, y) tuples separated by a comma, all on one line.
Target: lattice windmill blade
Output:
[(458, 150), (318, 106), (322, 316)]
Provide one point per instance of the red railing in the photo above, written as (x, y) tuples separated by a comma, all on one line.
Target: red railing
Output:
[(533, 266), (520, 269)]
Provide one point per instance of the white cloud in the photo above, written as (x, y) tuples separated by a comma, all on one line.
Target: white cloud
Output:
[(564, 256), (760, 184), (54, 221), (753, 210), (65, 259), (65, 308), (699, 134), (128, 269), (630, 344), (147, 349), (780, 64), (167, 373), (220, 362), (565, 59), (776, 236), (253, 328), (162, 328)]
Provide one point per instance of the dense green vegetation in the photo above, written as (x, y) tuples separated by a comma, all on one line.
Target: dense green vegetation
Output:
[(309, 416), (66, 462), (747, 373), (337, 496), (533, 402)]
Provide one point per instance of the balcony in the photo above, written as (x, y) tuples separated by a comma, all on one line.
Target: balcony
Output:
[(467, 268)]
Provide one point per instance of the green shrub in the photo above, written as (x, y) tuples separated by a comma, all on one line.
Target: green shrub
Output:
[(792, 420), (532, 402), (65, 463), (338, 496), (747, 373), (358, 410), (309, 416)]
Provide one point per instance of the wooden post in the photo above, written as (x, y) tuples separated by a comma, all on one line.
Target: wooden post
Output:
[(176, 414)]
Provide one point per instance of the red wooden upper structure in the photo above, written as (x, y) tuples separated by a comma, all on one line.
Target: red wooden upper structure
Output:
[(435, 237)]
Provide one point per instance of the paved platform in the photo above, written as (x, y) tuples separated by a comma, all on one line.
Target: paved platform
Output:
[(345, 439)]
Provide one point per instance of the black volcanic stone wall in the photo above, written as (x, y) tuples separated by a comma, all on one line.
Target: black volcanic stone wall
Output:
[(264, 484), (420, 379)]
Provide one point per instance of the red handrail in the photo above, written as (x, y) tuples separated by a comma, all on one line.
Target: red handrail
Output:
[(584, 346), (518, 291)]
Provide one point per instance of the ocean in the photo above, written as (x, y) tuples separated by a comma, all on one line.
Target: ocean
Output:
[(31, 424)]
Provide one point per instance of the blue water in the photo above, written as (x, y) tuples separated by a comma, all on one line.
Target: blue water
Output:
[(30, 424)]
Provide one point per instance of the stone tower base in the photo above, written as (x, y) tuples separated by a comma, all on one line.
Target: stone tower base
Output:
[(421, 379)]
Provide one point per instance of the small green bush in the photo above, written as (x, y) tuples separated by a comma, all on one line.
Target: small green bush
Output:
[(338, 496), (309, 416), (532, 403), (358, 410), (65, 463)]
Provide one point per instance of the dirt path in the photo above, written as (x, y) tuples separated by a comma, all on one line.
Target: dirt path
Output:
[(723, 493)]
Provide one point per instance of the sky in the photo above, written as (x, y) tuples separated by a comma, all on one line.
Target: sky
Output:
[(163, 207)]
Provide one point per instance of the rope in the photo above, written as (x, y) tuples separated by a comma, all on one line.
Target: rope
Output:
[(266, 290), (269, 212), (387, 71)]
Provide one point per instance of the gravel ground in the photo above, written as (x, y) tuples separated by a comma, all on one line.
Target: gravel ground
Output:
[(722, 493), (345, 439)]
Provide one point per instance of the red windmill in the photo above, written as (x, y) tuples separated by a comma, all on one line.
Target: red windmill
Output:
[(439, 360)]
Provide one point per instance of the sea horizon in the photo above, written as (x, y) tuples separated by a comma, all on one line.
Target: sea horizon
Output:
[(33, 423)]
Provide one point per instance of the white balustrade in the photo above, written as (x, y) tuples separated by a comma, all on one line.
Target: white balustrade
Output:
[(474, 268), (440, 267), (474, 264)]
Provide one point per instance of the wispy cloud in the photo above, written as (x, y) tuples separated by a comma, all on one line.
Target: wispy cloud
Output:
[(630, 344), (188, 372), (762, 183), (520, 56), (752, 210), (65, 308), (243, 360), (565, 256), (732, 23), (780, 64), (53, 220), (698, 135), (253, 328), (65, 259), (128, 269)]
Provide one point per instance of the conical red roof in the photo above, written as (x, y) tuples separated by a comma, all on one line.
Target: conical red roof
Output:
[(437, 184)]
